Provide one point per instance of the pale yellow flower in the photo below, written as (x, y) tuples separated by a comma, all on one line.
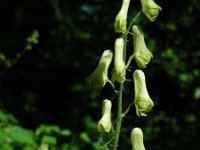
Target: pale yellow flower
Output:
[(119, 71), (150, 9), (104, 125), (137, 139), (142, 101), (121, 18), (99, 77), (141, 53)]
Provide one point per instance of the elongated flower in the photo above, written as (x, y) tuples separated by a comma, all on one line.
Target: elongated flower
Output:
[(150, 9), (99, 77), (119, 71), (141, 53), (104, 125), (142, 101), (137, 139), (121, 18)]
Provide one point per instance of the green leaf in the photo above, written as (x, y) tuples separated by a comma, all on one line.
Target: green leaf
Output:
[(84, 136), (21, 135), (65, 132), (3, 116), (49, 140), (47, 129), (197, 93)]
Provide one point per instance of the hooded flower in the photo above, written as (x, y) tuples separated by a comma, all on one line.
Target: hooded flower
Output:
[(121, 18), (137, 139), (104, 125), (141, 53), (142, 101), (99, 77), (150, 9), (119, 71)]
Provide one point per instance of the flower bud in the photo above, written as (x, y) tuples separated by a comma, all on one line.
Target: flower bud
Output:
[(119, 71), (104, 125), (141, 52), (121, 18), (137, 139), (150, 9), (142, 101), (99, 77)]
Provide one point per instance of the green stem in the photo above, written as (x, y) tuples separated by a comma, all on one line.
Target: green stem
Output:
[(127, 110), (113, 86), (125, 36), (129, 61), (119, 117)]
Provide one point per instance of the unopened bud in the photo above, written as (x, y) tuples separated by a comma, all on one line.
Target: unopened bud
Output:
[(99, 77), (150, 9), (142, 101), (104, 125), (119, 71), (137, 139), (141, 53), (121, 18)]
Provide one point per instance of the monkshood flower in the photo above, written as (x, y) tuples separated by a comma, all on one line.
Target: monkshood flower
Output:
[(142, 101), (121, 18), (137, 139), (150, 9), (119, 70), (104, 125), (99, 77), (141, 53)]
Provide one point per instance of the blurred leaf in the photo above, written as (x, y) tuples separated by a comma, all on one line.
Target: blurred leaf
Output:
[(97, 146), (21, 135), (33, 39), (47, 129), (190, 118), (65, 132), (5, 146), (6, 117), (84, 136), (3, 116), (51, 140), (43, 146), (197, 93)]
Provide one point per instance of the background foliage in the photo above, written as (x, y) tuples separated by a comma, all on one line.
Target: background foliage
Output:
[(49, 47)]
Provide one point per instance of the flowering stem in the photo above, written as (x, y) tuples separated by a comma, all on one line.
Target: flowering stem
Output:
[(119, 117), (119, 113)]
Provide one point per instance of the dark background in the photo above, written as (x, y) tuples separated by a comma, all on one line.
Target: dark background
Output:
[(46, 84)]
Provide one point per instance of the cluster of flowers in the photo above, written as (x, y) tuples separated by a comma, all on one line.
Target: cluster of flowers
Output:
[(142, 56)]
